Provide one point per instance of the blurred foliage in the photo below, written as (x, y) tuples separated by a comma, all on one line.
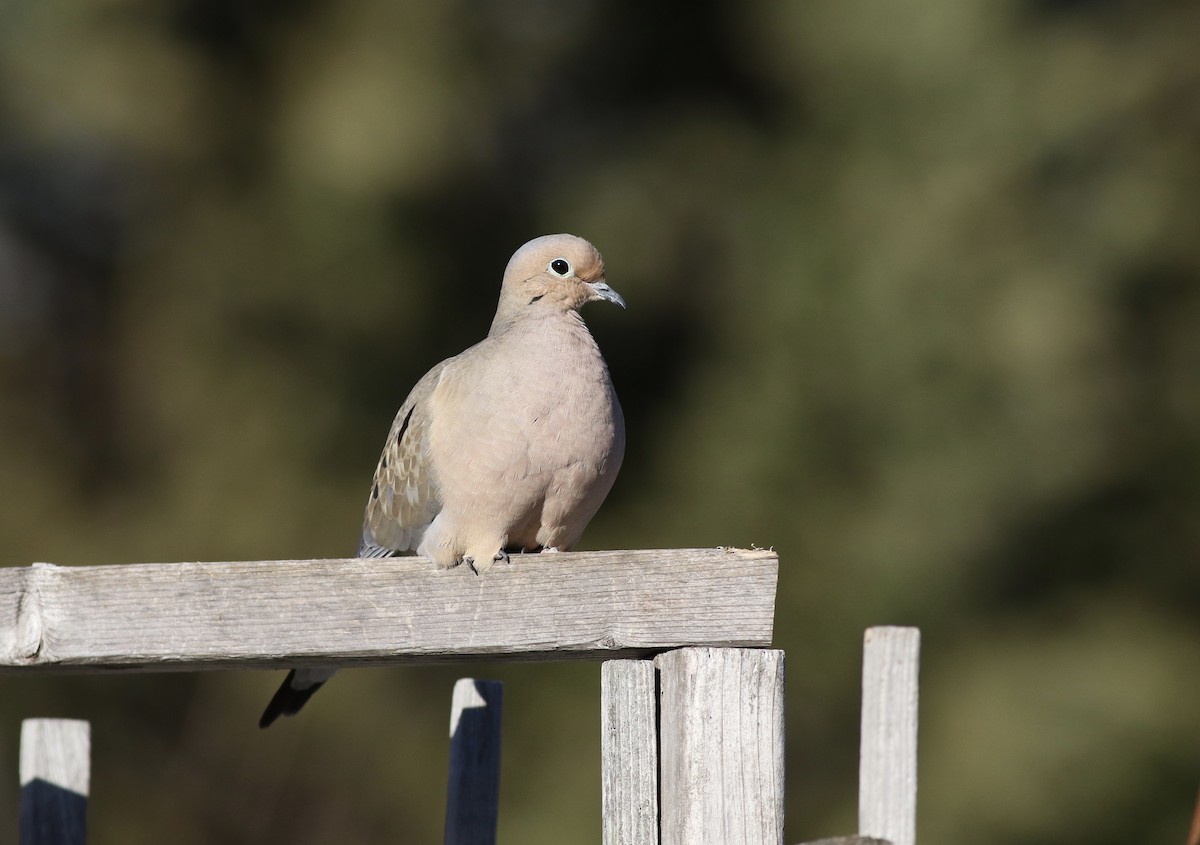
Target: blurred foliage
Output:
[(914, 297)]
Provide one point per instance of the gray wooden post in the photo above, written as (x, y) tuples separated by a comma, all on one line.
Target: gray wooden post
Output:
[(55, 767), (721, 746), (887, 775), (629, 752), (473, 792)]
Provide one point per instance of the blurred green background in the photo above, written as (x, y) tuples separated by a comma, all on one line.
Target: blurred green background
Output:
[(914, 294)]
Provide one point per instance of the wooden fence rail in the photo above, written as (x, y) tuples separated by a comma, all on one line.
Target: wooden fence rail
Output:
[(277, 614), (692, 739)]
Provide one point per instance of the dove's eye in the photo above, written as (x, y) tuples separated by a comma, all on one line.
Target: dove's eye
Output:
[(560, 267)]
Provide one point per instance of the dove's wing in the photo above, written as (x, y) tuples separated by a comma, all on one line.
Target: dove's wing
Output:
[(403, 500)]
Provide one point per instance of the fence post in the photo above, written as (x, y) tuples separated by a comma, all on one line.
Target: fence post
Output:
[(54, 771), (629, 752), (473, 792), (721, 746), (887, 775)]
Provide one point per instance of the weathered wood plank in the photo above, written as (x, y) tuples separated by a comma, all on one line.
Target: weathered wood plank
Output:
[(473, 789), (887, 775), (721, 746), (55, 769), (571, 605), (629, 752)]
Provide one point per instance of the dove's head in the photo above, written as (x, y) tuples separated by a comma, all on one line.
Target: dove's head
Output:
[(554, 271)]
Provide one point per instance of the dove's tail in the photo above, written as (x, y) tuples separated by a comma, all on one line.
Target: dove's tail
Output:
[(293, 693)]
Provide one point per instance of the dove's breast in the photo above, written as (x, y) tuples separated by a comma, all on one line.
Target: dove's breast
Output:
[(529, 434)]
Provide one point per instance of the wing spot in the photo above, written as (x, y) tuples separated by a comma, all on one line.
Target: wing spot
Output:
[(404, 425)]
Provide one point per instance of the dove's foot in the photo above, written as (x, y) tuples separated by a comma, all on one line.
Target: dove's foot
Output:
[(480, 568)]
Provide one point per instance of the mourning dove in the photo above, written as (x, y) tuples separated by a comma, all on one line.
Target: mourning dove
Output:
[(510, 446)]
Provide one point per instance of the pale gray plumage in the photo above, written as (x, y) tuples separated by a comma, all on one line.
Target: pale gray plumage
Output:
[(509, 446)]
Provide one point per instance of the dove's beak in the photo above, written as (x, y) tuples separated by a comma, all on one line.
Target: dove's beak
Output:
[(603, 291)]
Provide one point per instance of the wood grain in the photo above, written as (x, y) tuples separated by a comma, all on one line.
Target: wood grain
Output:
[(887, 774), (55, 770), (721, 746), (277, 614), (629, 752)]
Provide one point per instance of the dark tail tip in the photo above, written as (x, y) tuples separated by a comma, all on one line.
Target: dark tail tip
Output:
[(287, 700)]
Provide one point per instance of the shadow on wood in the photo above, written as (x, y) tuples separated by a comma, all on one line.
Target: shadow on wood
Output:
[(473, 791), (55, 771), (52, 815)]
